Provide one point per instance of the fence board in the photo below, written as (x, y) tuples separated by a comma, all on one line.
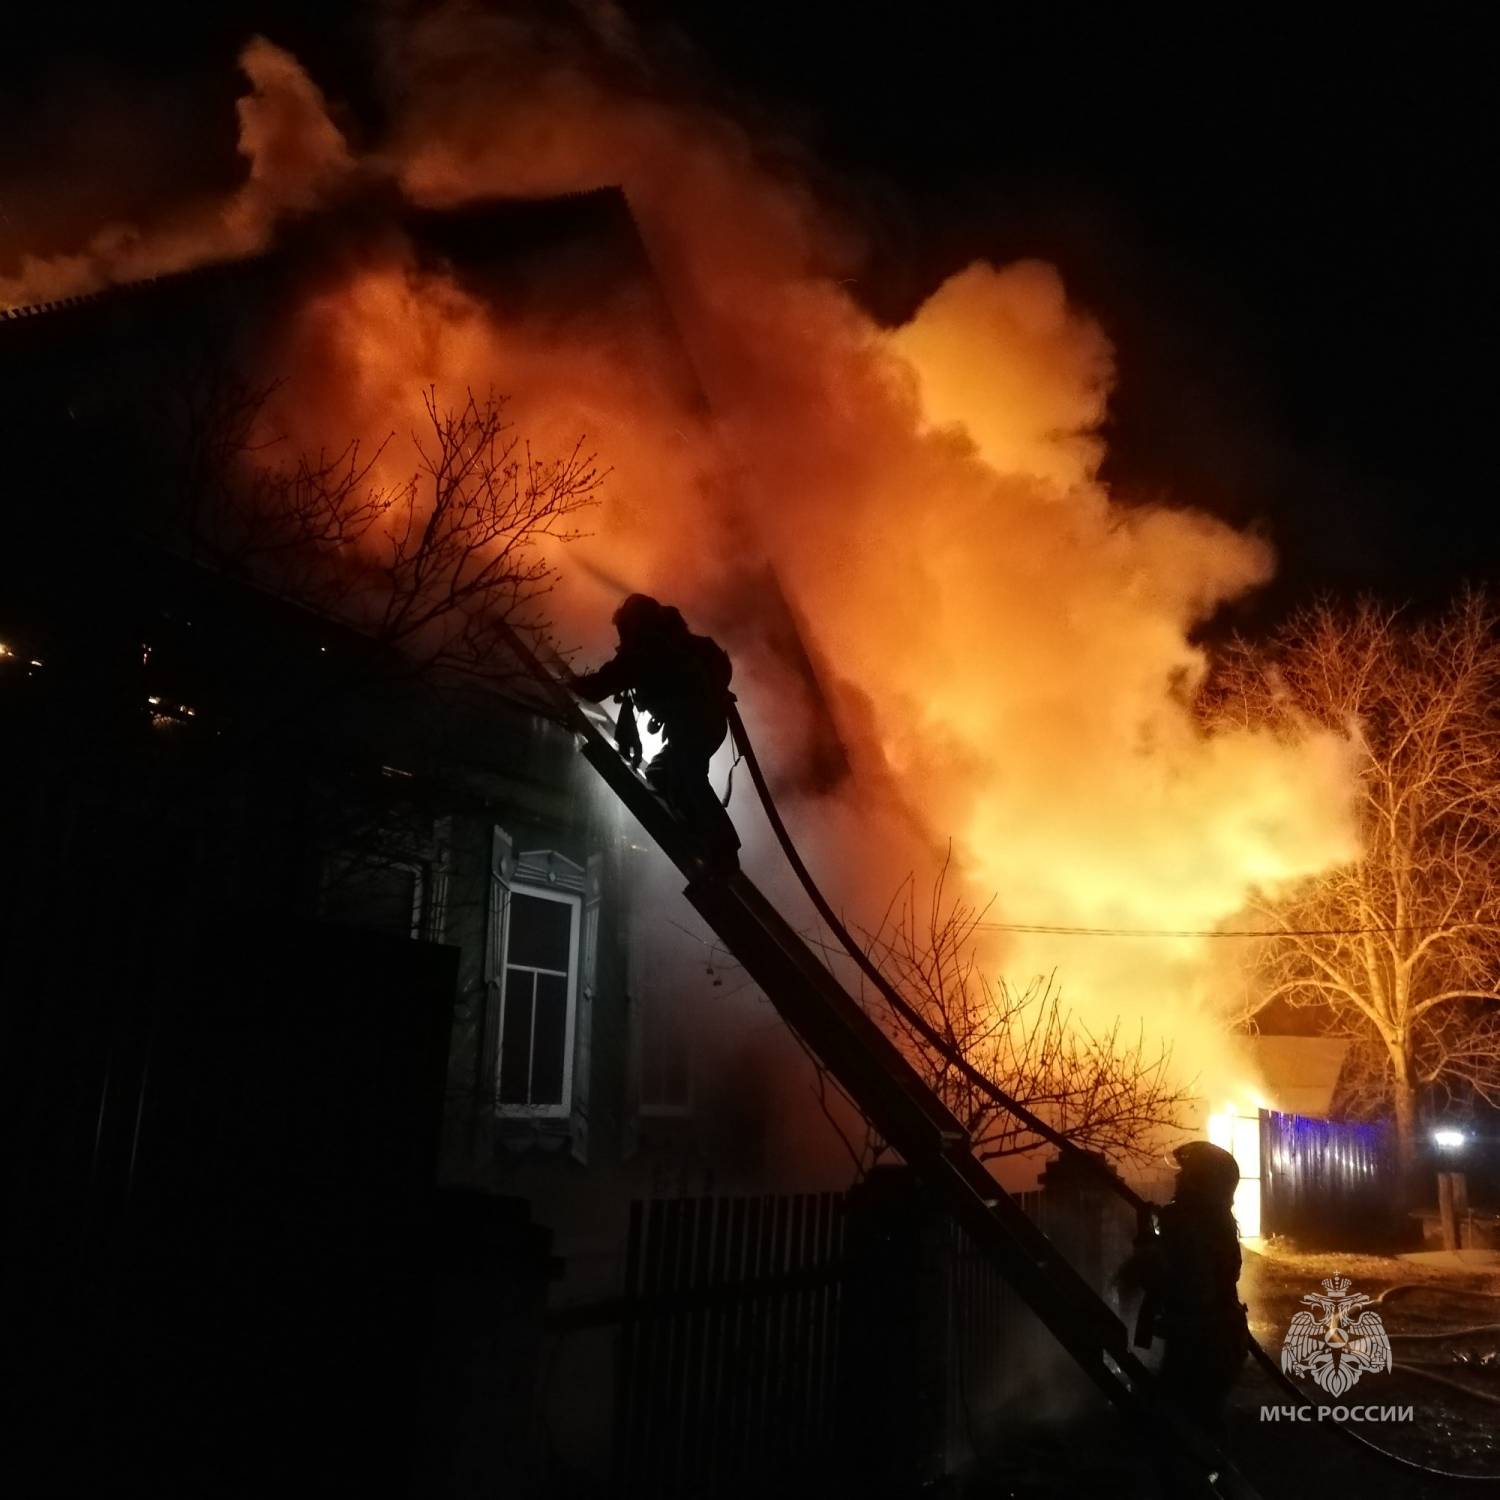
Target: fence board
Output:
[(728, 1347), (627, 1377), (729, 1341)]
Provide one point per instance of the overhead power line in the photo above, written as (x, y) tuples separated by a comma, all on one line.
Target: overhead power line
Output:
[(1051, 929)]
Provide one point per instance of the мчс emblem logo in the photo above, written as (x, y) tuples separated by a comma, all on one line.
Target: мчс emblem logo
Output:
[(1334, 1345)]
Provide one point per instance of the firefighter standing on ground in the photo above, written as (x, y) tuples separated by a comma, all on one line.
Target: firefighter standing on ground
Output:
[(682, 681), (1189, 1273)]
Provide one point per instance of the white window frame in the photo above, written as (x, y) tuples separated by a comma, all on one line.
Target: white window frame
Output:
[(574, 902)]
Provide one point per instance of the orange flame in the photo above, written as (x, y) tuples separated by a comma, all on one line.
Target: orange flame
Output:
[(1008, 647)]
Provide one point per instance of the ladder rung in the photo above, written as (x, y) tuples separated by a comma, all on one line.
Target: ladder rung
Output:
[(817, 1006)]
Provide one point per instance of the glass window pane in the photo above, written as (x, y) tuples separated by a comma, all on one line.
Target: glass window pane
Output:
[(548, 1039), (515, 1039), (539, 932)]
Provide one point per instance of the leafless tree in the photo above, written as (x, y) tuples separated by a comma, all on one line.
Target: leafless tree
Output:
[(1400, 949), (1106, 1092), (431, 566), (467, 545)]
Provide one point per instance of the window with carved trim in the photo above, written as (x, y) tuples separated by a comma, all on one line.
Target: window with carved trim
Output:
[(538, 1000), (544, 923)]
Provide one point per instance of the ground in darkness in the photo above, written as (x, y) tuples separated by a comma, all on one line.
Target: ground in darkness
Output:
[(1449, 1377)]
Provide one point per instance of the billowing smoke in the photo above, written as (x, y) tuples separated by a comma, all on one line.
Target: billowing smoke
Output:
[(296, 156), (1006, 649)]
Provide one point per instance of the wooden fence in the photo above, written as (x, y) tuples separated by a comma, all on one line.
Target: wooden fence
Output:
[(729, 1341), (757, 1335), (990, 1334)]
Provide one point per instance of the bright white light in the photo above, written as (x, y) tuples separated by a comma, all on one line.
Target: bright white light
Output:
[(652, 744), (1240, 1136), (1247, 1207), (1449, 1140)]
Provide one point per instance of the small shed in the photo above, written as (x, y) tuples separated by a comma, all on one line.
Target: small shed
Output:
[(1300, 1073)]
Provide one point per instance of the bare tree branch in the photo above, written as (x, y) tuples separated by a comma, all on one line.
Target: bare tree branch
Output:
[(1422, 699), (432, 566), (1107, 1092)]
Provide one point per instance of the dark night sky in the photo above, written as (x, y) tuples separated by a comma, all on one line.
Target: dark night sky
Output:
[(1285, 227)]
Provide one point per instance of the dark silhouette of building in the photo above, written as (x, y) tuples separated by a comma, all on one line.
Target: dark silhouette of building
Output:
[(330, 1041)]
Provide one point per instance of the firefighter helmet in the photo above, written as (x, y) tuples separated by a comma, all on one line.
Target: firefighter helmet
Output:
[(1208, 1167)]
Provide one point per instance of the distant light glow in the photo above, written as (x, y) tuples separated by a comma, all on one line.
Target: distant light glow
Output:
[(1449, 1140), (1239, 1134)]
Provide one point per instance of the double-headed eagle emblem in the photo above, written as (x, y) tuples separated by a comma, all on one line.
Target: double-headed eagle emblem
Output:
[(1335, 1345)]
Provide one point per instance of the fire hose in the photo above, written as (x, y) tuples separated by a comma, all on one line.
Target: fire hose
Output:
[(1144, 1209), (1285, 1385), (898, 1002)]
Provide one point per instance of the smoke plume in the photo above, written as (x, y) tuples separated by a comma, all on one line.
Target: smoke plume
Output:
[(1006, 648), (296, 158)]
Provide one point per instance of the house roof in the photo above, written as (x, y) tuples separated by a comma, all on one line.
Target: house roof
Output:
[(75, 356), (1300, 1072), (572, 249)]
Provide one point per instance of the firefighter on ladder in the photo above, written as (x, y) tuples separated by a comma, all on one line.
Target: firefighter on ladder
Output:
[(681, 681)]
